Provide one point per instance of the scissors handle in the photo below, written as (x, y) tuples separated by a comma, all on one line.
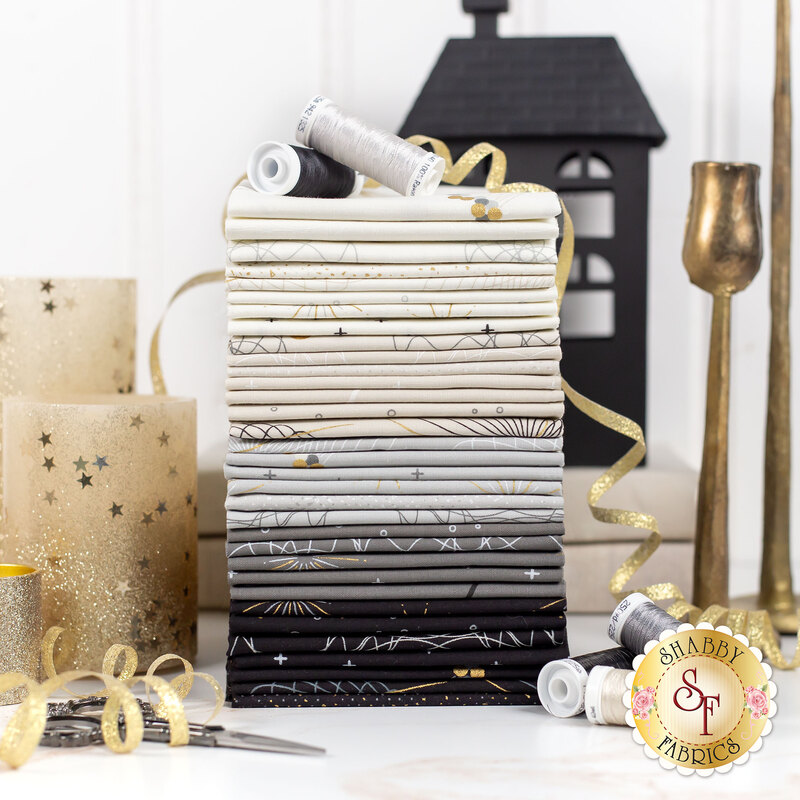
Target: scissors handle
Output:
[(71, 730)]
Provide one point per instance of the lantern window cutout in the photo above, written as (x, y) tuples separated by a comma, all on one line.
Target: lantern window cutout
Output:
[(571, 116)]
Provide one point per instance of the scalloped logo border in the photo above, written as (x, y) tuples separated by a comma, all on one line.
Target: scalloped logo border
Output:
[(702, 771)]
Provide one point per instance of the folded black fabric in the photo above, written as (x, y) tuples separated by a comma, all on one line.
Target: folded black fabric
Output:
[(241, 645), (294, 661), (423, 530), (526, 574), (371, 700), (375, 686), (416, 607), (317, 626), (409, 675)]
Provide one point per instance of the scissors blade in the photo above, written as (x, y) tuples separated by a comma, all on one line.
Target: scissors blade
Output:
[(265, 744)]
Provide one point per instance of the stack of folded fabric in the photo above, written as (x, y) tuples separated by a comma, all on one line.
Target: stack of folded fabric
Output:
[(395, 514)]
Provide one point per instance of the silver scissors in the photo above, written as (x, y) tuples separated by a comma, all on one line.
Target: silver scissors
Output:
[(76, 723)]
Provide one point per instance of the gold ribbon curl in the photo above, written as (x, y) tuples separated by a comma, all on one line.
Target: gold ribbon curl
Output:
[(756, 625), (25, 729)]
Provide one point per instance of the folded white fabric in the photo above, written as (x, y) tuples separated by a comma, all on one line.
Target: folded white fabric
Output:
[(400, 286), (448, 345), (427, 270), (406, 298), (529, 251), (392, 311), (446, 203)]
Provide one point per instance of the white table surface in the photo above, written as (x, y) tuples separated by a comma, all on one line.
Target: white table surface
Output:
[(483, 753)]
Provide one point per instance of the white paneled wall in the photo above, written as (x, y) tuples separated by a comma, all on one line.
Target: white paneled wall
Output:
[(126, 122)]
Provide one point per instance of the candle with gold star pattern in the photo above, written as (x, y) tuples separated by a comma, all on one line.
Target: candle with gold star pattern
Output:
[(100, 497), (66, 335)]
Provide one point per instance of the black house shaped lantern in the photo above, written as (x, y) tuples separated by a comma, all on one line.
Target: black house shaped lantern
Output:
[(569, 114)]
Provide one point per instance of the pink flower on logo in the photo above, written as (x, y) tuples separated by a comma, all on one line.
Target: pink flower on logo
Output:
[(643, 701), (757, 701)]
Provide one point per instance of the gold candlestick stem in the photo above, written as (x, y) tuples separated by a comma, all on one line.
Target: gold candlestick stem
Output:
[(776, 593), (711, 548), (722, 254)]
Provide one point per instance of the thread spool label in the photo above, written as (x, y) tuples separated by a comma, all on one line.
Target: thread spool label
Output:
[(700, 699), (424, 167)]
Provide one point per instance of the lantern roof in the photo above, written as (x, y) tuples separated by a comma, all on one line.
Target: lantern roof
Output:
[(532, 87)]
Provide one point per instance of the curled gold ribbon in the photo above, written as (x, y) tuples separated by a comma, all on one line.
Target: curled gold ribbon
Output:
[(24, 731)]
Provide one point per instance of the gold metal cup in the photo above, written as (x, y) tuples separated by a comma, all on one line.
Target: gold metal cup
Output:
[(722, 254), (21, 626)]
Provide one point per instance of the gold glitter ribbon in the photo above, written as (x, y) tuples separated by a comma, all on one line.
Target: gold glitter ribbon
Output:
[(756, 625), (25, 729)]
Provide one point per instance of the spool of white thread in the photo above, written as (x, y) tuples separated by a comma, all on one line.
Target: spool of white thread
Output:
[(381, 155), (275, 168), (603, 696), (561, 687)]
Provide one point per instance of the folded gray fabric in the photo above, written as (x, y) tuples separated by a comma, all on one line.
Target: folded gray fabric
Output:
[(368, 561), (323, 475), (382, 591), (442, 531), (388, 516), (396, 547), (266, 488)]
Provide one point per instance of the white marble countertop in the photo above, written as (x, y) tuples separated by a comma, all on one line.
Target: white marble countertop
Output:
[(478, 753)]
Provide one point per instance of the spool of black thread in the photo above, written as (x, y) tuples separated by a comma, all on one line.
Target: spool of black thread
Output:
[(284, 169), (562, 684)]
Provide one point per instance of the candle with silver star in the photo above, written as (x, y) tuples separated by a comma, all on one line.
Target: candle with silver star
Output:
[(70, 335), (100, 496)]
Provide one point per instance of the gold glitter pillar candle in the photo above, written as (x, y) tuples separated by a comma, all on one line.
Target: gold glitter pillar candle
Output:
[(66, 335), (20, 626), (100, 496)]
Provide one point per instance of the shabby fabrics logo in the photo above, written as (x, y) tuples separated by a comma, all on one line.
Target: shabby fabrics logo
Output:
[(700, 699)]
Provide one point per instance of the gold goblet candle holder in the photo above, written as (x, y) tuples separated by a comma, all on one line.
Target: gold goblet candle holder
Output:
[(722, 254), (101, 498)]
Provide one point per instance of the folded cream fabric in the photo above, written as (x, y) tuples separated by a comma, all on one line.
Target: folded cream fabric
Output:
[(342, 413), (423, 427), (382, 591), (446, 203), (406, 298), (428, 270), (335, 502), (530, 250), (458, 344), (474, 370), (403, 398), (351, 230), (380, 286), (502, 442), (448, 380), (394, 311), (259, 487), (396, 548), (377, 328)]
